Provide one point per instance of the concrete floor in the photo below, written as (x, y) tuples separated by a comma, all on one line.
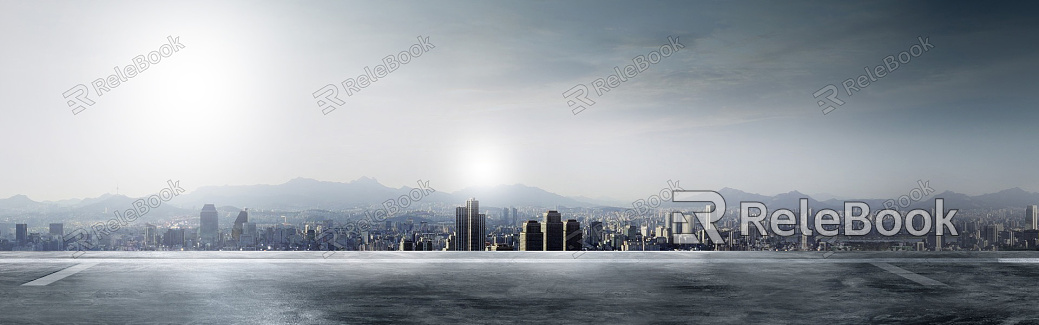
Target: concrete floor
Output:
[(518, 287)]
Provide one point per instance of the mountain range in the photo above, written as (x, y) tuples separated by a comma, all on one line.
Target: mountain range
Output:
[(302, 194)]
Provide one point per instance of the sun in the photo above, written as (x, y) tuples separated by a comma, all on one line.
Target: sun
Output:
[(484, 171), (486, 166)]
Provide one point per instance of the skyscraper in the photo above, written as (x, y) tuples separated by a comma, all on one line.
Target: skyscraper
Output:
[(531, 238), (595, 232), (21, 233), (573, 235), (553, 231), (248, 236), (406, 244), (239, 225), (208, 225), (470, 226), (1032, 217), (57, 230), (174, 237), (151, 234), (505, 217), (515, 216)]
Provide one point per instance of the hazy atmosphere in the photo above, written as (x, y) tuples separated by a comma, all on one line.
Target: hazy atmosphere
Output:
[(483, 103)]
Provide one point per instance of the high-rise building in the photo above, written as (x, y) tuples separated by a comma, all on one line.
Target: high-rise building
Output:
[(553, 231), (208, 226), (57, 230), (531, 238), (505, 217), (239, 225), (21, 233), (573, 235), (151, 235), (174, 237), (515, 217), (248, 236), (406, 244), (992, 233), (452, 243), (595, 234), (470, 226), (1032, 217)]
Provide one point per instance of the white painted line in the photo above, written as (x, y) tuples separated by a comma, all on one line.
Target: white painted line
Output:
[(1019, 260), (908, 275), (53, 277)]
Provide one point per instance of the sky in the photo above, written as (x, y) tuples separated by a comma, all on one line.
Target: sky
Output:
[(483, 104)]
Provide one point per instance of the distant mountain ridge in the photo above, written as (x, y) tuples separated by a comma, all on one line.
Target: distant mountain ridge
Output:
[(365, 192)]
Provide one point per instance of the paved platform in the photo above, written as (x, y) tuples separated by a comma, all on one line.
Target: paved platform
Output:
[(518, 287)]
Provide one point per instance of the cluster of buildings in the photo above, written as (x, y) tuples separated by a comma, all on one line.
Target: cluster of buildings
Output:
[(472, 229)]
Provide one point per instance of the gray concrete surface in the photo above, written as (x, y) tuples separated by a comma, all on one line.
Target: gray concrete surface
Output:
[(518, 287)]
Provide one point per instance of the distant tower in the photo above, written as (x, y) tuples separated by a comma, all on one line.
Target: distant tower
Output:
[(470, 226), (1032, 217), (57, 230), (515, 216), (151, 234), (531, 238), (505, 217), (406, 244), (21, 233), (208, 225), (553, 229), (595, 232), (239, 225), (573, 235)]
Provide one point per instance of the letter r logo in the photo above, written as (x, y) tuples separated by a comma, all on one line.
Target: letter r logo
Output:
[(79, 99), (577, 97), (705, 214)]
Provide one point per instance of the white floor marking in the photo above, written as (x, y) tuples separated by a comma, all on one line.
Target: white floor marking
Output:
[(908, 275), (53, 277)]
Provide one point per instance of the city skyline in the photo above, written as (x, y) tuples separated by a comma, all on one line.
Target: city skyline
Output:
[(608, 230)]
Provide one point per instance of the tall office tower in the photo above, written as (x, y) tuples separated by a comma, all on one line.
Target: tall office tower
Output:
[(470, 226), (573, 235), (150, 234), (553, 229), (239, 225), (531, 238), (595, 232), (452, 243), (406, 244), (1032, 217), (992, 233), (208, 226), (515, 216), (505, 217), (57, 230), (248, 236), (174, 237), (21, 233)]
